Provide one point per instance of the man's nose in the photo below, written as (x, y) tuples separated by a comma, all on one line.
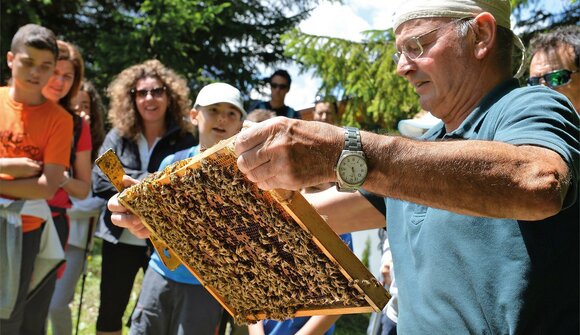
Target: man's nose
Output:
[(404, 65)]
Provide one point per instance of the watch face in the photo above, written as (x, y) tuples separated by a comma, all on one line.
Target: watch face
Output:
[(353, 169)]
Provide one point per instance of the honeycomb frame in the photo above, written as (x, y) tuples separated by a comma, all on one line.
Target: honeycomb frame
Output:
[(261, 254)]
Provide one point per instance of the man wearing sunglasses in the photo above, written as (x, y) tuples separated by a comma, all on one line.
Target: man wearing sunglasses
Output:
[(279, 83), (556, 61), (482, 211)]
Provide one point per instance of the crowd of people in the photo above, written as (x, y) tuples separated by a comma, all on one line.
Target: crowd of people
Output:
[(481, 209)]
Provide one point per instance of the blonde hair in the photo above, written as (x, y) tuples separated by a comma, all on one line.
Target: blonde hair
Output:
[(123, 113)]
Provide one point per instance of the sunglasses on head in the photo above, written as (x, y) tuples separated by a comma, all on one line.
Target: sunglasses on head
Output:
[(155, 92), (280, 86), (553, 79)]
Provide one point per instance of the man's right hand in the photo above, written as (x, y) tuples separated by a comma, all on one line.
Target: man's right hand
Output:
[(121, 217), (289, 154)]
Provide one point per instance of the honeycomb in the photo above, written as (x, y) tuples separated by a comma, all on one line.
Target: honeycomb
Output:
[(244, 245)]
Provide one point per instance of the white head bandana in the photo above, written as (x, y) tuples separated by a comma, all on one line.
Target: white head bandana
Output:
[(500, 9)]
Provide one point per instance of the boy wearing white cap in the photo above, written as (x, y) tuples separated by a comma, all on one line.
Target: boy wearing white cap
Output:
[(175, 302)]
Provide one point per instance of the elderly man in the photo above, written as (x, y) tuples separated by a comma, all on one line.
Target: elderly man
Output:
[(556, 62), (483, 212)]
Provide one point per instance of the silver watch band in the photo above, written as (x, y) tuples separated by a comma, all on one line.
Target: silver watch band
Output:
[(352, 141)]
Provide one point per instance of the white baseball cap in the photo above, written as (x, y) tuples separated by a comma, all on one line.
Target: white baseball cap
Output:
[(220, 92)]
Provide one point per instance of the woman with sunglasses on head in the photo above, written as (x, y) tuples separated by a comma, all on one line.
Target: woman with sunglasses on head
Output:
[(556, 62), (149, 108)]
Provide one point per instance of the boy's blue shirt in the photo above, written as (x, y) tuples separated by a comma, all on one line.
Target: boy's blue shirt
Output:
[(181, 274)]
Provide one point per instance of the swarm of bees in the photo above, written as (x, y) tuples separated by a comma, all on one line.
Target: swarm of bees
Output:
[(239, 241)]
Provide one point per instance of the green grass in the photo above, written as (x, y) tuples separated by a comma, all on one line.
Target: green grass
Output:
[(352, 324)]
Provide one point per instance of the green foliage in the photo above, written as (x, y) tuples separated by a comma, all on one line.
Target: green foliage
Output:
[(366, 253), (352, 324), (541, 19), (363, 73), (203, 40)]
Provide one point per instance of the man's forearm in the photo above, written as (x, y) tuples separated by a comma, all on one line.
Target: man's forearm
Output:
[(346, 212), (481, 178)]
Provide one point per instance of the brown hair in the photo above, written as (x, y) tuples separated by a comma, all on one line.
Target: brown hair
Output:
[(97, 116), (35, 36), (123, 113)]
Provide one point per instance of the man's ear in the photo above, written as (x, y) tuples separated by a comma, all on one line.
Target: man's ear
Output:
[(9, 59), (193, 116), (485, 30)]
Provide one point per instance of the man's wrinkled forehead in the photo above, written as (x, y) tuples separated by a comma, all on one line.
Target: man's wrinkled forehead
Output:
[(418, 25)]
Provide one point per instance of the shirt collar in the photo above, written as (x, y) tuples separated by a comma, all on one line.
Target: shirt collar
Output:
[(467, 126)]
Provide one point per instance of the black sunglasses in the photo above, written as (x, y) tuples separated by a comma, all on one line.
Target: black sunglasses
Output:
[(280, 86), (553, 79), (155, 92)]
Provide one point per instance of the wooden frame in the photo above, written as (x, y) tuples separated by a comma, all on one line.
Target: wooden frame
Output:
[(355, 289)]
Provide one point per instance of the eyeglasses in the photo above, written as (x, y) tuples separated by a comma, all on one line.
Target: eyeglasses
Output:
[(412, 48), (155, 92), (553, 79), (275, 86)]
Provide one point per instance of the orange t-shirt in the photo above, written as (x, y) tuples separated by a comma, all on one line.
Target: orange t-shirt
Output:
[(43, 133), (61, 198)]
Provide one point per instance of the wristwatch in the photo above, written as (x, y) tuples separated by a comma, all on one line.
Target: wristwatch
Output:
[(351, 169)]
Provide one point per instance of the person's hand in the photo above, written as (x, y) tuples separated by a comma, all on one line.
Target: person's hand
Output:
[(289, 154), (20, 167), (386, 273), (121, 217)]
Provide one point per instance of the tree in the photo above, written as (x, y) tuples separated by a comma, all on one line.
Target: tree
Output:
[(542, 20), (203, 40), (363, 73)]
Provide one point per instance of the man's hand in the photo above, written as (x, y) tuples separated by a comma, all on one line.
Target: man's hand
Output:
[(121, 217), (20, 167), (289, 154)]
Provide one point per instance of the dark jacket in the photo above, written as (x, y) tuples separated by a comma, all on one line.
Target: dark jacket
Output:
[(127, 150)]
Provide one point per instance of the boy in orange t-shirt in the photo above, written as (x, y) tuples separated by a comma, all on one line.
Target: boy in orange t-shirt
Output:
[(35, 141)]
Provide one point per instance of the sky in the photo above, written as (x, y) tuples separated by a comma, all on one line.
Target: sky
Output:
[(346, 21), (355, 16)]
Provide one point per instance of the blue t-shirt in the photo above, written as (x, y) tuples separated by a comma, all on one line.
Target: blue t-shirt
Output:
[(181, 274), (460, 274), (291, 326)]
